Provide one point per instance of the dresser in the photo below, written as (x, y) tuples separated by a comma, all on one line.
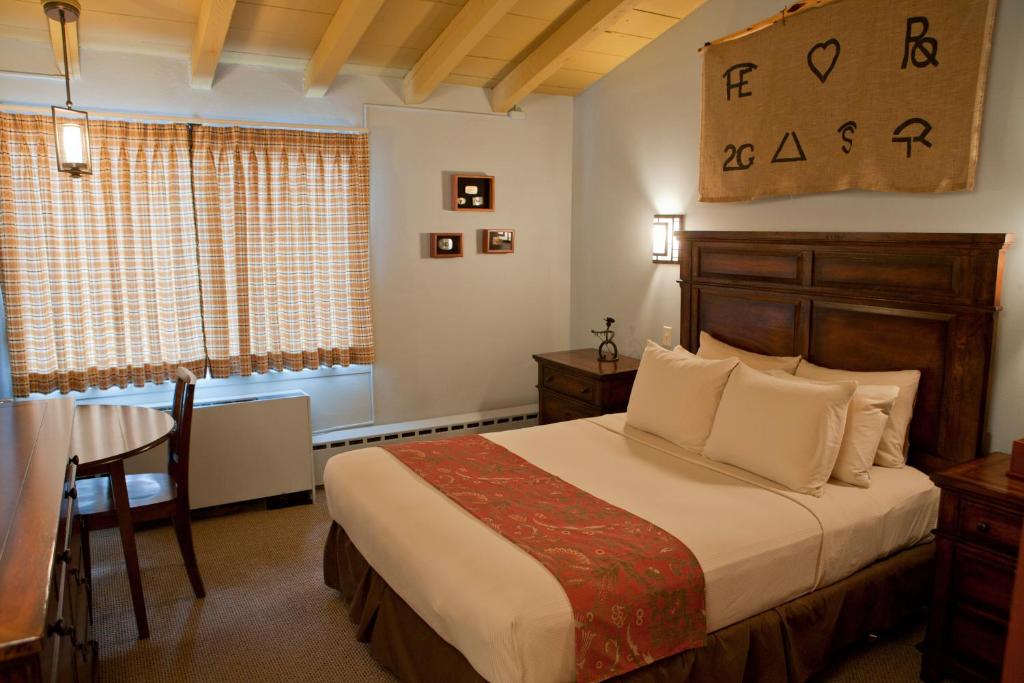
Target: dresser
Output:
[(976, 543), (45, 596), (574, 384)]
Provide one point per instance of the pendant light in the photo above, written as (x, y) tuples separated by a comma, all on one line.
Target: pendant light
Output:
[(70, 125)]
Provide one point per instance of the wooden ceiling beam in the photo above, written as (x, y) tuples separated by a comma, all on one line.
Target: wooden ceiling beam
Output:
[(347, 27), (588, 22), (211, 30), (74, 64), (473, 22)]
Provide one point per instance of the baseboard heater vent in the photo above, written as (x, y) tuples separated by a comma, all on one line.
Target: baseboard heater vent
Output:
[(326, 445)]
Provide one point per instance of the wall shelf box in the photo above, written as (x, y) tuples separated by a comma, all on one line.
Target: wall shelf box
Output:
[(445, 244), (472, 192)]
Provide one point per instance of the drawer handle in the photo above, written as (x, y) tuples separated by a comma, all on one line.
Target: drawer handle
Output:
[(983, 527), (585, 390), (549, 379), (58, 628)]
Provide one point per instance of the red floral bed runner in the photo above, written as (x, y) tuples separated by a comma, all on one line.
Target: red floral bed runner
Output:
[(637, 593)]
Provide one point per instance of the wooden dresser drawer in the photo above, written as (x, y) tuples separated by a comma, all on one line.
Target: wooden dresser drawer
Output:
[(990, 526), (976, 641), (558, 408), (581, 388), (982, 581)]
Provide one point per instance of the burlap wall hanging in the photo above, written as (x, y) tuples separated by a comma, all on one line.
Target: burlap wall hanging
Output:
[(880, 95)]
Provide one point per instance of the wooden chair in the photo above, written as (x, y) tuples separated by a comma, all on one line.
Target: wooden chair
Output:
[(152, 496)]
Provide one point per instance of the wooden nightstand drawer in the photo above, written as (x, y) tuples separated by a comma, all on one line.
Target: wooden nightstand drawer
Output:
[(976, 641), (990, 526), (982, 581), (557, 408), (580, 388)]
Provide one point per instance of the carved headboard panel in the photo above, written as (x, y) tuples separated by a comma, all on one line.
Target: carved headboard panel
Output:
[(861, 301)]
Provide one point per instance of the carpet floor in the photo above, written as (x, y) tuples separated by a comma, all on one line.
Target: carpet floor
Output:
[(268, 616)]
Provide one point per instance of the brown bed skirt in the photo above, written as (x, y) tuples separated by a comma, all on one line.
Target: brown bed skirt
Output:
[(789, 643)]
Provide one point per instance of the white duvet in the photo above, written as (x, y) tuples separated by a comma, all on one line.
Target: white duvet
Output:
[(758, 544)]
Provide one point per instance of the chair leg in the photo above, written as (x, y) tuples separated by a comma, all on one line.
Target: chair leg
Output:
[(86, 562), (119, 492), (183, 530)]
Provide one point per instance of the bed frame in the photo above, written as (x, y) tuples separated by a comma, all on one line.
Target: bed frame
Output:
[(859, 301)]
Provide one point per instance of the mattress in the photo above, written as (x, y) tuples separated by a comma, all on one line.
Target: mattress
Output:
[(758, 544)]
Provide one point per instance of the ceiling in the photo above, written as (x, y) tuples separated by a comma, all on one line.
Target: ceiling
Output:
[(566, 45)]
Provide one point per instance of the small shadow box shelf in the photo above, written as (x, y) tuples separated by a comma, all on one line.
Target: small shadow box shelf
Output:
[(472, 193), (445, 244)]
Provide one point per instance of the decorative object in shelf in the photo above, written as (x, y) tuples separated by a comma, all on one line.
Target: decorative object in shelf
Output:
[(445, 244), (1017, 460), (499, 241), (70, 125), (607, 352), (472, 193), (664, 241)]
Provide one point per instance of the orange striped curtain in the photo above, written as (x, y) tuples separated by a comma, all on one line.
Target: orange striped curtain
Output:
[(98, 273), (283, 225)]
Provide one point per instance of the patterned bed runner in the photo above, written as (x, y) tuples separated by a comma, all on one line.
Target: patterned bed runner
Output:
[(637, 593)]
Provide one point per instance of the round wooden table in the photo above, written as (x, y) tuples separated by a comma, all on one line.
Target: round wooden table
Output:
[(103, 437)]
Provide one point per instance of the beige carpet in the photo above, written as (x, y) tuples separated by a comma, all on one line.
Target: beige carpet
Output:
[(267, 615)]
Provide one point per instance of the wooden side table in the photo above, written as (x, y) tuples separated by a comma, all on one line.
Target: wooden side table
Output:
[(574, 384), (976, 548)]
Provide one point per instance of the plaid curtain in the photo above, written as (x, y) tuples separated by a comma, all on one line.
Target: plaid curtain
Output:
[(99, 273), (283, 225)]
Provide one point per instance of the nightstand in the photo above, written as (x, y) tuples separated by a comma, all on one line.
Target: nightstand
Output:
[(574, 384), (976, 546)]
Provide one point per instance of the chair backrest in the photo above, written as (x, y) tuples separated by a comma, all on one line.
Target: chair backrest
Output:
[(178, 446)]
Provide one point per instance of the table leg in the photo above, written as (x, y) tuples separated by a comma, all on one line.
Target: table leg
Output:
[(119, 492)]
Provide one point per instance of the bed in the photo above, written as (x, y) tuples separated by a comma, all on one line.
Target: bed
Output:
[(789, 578)]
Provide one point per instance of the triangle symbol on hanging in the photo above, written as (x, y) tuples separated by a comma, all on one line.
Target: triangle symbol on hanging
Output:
[(794, 151)]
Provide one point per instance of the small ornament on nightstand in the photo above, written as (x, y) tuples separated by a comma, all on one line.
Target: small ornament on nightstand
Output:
[(607, 351)]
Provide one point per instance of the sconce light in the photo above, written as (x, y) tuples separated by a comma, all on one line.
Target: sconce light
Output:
[(664, 242), (70, 125)]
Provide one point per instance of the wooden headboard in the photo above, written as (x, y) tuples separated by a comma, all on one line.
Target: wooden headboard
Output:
[(861, 301)]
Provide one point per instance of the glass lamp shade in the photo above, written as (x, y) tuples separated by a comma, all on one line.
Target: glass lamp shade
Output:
[(71, 131)]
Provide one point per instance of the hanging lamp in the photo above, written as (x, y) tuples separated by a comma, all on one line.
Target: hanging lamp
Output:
[(70, 125)]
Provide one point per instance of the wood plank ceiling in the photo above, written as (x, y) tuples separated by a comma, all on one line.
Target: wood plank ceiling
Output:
[(514, 47)]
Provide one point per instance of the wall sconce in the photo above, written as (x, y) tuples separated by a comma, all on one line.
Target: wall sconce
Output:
[(664, 242)]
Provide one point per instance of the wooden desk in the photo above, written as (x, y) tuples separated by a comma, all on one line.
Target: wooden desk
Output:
[(103, 438), (44, 593)]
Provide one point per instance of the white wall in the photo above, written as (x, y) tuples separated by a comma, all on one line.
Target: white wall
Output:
[(637, 134), (453, 336)]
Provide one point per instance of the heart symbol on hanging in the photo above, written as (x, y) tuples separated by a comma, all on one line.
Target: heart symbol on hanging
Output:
[(821, 54)]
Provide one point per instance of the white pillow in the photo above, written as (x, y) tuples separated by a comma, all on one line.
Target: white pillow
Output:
[(892, 450), (714, 349), (782, 430), (676, 397), (865, 422)]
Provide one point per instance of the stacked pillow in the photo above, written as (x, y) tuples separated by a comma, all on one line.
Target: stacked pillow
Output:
[(866, 418), (715, 349), (749, 410), (892, 450), (675, 395), (780, 429)]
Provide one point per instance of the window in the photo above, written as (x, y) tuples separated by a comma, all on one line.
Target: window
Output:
[(283, 224), (99, 275), (240, 249)]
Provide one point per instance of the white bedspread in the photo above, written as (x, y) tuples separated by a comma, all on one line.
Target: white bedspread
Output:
[(758, 544)]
